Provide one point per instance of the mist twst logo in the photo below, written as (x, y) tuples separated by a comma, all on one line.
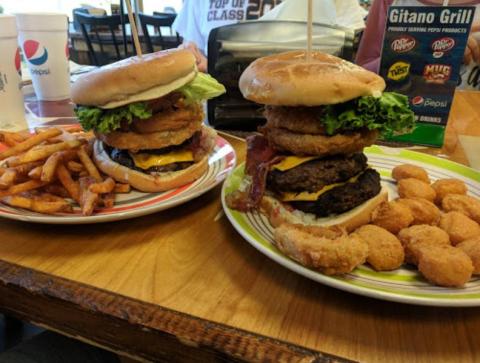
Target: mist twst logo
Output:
[(34, 53)]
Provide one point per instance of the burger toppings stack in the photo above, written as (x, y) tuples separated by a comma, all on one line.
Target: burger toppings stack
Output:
[(147, 115), (309, 161)]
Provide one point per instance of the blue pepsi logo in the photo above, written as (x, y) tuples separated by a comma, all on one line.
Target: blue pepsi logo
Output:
[(34, 53)]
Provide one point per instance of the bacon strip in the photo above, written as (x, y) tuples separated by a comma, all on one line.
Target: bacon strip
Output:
[(260, 158)]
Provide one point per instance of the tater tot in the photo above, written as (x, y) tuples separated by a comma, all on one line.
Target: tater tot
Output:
[(385, 252), (414, 237), (448, 186), (465, 204), (459, 227), (405, 171), (445, 266), (472, 248), (423, 211), (392, 216), (414, 188)]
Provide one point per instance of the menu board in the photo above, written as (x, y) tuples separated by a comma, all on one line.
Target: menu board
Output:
[(422, 53)]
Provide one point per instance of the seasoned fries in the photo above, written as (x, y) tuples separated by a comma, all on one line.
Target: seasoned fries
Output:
[(104, 187), (42, 152), (41, 204), (45, 171), (50, 166), (122, 188), (35, 173), (88, 164), (8, 178), (69, 184), (30, 142)]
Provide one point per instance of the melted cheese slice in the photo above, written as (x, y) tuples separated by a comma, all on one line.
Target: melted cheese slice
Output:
[(152, 93), (146, 161), (292, 161), (311, 197)]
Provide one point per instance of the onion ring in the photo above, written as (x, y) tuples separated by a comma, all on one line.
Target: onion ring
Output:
[(154, 140), (320, 145), (304, 120)]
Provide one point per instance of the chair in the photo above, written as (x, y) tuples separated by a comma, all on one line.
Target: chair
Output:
[(232, 48), (157, 22), (100, 30)]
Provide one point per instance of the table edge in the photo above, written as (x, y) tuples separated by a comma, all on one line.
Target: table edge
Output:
[(134, 327)]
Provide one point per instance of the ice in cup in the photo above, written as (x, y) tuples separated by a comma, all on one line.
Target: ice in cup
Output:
[(12, 111), (44, 41)]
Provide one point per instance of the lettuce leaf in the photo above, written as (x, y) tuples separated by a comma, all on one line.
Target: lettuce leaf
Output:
[(201, 88), (389, 114), (108, 120)]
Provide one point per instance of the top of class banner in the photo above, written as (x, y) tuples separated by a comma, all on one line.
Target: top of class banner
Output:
[(450, 15)]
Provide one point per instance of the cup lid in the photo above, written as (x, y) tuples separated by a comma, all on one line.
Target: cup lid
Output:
[(8, 27), (42, 21)]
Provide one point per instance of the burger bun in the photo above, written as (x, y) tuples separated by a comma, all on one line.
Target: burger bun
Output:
[(278, 214), (288, 79)]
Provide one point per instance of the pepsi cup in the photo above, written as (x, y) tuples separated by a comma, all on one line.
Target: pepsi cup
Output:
[(43, 38), (12, 115)]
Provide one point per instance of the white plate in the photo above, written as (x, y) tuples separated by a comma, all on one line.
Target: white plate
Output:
[(136, 204), (403, 285)]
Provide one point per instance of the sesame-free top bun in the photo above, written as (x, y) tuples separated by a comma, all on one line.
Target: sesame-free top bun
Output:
[(148, 76), (288, 79)]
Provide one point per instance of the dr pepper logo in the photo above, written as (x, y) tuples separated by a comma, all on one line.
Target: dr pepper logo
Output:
[(442, 45), (437, 73), (403, 44)]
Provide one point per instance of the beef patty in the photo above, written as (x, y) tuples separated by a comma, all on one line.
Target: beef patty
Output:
[(315, 174), (123, 158), (345, 197)]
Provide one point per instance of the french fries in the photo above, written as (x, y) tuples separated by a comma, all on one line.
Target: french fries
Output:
[(8, 178), (45, 203), (45, 171), (104, 187), (50, 166), (30, 142), (88, 164), (88, 199), (122, 188), (68, 183), (35, 173), (42, 152)]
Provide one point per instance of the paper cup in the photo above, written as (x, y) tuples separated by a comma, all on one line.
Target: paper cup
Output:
[(12, 115), (44, 41)]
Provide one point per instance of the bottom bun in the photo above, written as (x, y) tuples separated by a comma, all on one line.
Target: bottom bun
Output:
[(147, 182), (278, 213)]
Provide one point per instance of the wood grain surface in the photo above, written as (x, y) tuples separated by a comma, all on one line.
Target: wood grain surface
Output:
[(124, 284)]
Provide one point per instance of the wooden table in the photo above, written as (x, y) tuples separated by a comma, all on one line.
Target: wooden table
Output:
[(183, 285)]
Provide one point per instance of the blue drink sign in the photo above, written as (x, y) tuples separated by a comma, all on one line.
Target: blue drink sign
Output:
[(422, 53)]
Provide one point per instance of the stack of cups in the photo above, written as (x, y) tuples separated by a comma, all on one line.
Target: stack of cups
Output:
[(44, 41), (12, 115)]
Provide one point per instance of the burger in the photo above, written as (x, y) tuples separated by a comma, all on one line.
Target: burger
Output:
[(147, 116), (308, 163)]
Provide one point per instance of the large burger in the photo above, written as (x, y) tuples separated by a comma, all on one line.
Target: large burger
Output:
[(147, 115), (308, 165)]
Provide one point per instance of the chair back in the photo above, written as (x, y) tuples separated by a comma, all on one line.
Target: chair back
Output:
[(232, 48), (100, 30), (157, 22)]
